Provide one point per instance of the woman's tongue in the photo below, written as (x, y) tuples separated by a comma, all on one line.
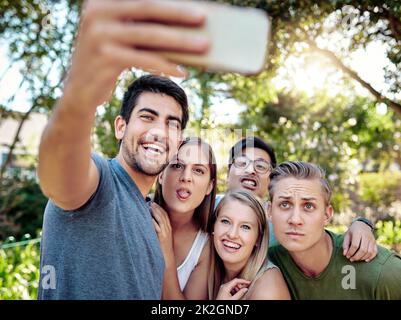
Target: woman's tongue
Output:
[(183, 194)]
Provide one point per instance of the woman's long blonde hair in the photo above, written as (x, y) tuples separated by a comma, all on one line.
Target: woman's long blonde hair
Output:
[(258, 257)]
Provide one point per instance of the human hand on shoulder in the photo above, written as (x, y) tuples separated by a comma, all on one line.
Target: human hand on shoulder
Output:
[(162, 225), (359, 242)]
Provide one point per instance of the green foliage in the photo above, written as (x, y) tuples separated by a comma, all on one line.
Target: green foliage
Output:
[(104, 130), (389, 234), (380, 189), (19, 272), (21, 207)]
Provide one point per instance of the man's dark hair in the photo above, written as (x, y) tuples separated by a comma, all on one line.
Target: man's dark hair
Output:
[(154, 84), (251, 142)]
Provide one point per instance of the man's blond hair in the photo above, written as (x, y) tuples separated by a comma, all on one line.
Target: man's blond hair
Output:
[(299, 170)]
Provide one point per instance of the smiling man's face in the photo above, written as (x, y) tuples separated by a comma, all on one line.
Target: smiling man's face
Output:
[(151, 137), (248, 178)]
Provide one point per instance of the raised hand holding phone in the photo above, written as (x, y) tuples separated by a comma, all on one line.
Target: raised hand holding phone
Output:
[(115, 35), (157, 36), (238, 36)]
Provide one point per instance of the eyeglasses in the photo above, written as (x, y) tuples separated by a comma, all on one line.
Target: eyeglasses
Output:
[(260, 165)]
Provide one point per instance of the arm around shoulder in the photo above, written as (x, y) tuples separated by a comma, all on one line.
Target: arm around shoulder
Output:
[(270, 286)]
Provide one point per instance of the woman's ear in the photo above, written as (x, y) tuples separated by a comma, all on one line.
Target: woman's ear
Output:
[(119, 127), (209, 187), (269, 210)]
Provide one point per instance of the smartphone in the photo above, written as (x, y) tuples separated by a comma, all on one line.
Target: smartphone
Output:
[(239, 38)]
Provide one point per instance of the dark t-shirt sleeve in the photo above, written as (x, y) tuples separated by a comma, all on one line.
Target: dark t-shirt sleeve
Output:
[(389, 282), (104, 192)]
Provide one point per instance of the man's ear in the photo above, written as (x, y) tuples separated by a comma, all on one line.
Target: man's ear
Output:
[(269, 210), (209, 187), (119, 127), (328, 214)]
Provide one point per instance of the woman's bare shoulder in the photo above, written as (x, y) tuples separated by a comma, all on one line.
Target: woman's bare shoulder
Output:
[(270, 286), (205, 255)]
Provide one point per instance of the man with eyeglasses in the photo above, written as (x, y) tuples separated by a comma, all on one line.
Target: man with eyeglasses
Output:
[(251, 160), (255, 177)]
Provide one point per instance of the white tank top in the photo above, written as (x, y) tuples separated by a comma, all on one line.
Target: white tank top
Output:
[(191, 260)]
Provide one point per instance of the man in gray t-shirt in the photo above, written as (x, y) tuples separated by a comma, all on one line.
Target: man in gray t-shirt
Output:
[(98, 240), (105, 246), (104, 249)]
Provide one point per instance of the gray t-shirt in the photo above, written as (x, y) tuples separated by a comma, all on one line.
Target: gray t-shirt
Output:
[(107, 249)]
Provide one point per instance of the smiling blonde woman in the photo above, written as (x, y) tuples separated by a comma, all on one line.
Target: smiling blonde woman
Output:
[(239, 265)]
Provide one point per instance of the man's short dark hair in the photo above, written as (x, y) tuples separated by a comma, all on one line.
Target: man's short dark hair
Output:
[(251, 142), (154, 84)]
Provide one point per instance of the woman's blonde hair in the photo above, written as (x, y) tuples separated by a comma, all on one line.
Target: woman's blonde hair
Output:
[(258, 257)]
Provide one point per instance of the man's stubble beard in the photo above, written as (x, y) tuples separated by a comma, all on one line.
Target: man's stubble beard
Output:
[(131, 158)]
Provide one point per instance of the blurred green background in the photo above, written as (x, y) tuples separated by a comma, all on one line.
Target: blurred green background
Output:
[(330, 94)]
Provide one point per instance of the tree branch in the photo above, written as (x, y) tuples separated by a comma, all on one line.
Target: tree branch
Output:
[(394, 23), (396, 106), (15, 141)]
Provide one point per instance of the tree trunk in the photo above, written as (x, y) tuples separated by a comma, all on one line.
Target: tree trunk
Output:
[(15, 141)]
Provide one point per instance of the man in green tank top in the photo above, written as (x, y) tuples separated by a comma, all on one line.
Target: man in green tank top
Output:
[(309, 256)]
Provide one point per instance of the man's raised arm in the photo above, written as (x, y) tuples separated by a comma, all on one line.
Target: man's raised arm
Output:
[(113, 36)]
